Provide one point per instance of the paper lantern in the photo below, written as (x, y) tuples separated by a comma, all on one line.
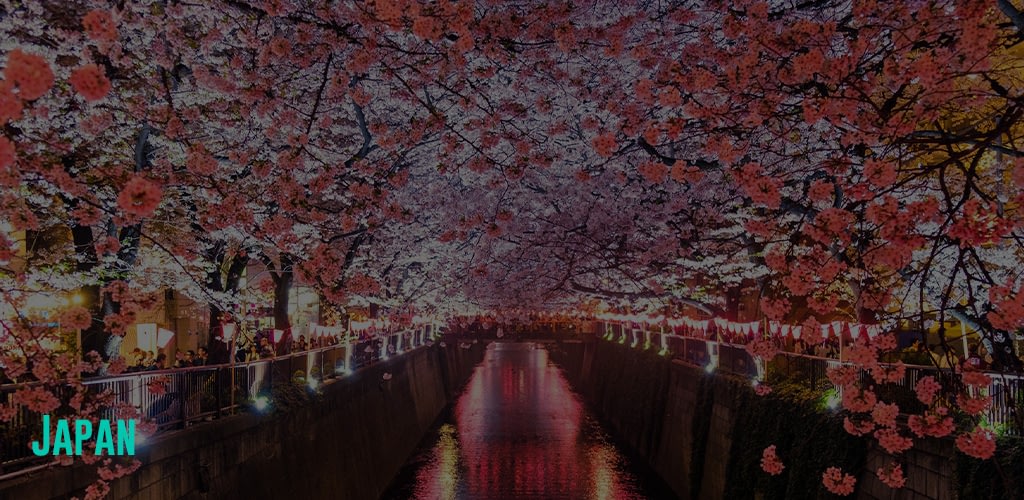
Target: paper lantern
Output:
[(163, 337), (837, 328), (277, 335), (145, 334), (796, 331), (855, 330), (228, 330)]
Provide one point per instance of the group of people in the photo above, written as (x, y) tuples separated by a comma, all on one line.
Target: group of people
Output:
[(263, 348), (917, 354), (301, 344), (139, 360)]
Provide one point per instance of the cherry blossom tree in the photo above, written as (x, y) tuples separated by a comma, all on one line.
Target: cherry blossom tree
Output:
[(855, 160)]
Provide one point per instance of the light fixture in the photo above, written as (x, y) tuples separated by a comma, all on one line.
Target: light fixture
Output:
[(261, 403)]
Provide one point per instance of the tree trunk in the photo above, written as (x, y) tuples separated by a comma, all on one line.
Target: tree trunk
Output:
[(216, 281), (283, 280)]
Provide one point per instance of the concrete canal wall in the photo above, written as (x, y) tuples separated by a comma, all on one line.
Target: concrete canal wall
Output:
[(704, 433), (349, 443)]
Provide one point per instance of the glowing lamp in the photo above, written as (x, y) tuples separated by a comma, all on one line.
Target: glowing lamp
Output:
[(833, 400), (261, 403)]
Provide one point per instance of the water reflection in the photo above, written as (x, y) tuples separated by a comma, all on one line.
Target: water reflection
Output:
[(518, 431)]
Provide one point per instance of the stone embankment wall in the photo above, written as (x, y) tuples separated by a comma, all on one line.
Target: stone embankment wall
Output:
[(704, 433), (349, 443)]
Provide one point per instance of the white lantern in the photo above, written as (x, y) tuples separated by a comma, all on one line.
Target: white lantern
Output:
[(163, 337), (837, 328), (855, 330), (145, 334), (229, 331)]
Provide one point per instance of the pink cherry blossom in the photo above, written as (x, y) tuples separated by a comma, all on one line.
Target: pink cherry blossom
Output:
[(604, 144), (858, 428), (770, 462), (30, 73), (99, 25), (979, 443), (926, 389), (76, 317), (90, 82), (7, 153), (892, 476), (838, 482), (139, 198), (885, 414), (892, 442)]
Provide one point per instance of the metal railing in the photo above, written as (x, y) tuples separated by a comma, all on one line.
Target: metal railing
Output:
[(193, 394), (1006, 413)]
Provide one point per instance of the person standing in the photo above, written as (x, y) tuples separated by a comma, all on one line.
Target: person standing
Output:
[(201, 357)]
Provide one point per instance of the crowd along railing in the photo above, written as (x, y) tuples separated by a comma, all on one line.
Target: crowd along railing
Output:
[(185, 396)]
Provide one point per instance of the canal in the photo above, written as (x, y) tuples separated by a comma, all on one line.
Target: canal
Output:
[(519, 431)]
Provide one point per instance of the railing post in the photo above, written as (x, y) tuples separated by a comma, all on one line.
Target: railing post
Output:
[(219, 389)]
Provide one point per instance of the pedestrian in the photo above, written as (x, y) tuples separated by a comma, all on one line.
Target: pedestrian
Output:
[(201, 357), (974, 360)]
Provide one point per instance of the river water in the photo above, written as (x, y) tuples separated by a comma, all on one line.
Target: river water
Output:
[(519, 431)]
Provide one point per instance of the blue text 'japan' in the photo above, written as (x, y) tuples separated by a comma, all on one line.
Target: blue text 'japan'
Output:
[(66, 442)]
